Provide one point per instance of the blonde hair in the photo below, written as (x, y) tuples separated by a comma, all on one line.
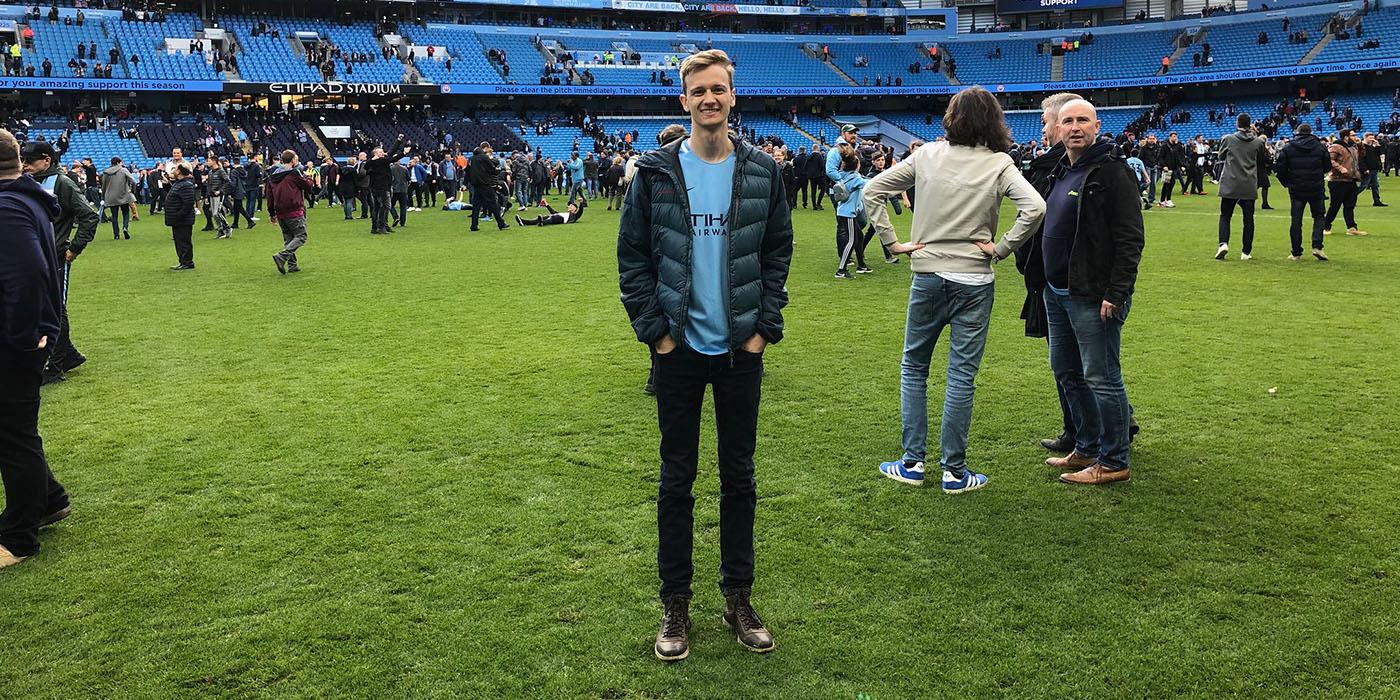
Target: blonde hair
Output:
[(704, 59)]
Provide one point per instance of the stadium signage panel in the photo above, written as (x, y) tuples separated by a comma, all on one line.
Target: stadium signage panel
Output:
[(1006, 7), (909, 90), (332, 88), (647, 6), (104, 85)]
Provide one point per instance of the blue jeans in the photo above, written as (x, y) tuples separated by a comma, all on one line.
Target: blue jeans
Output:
[(1084, 353), (1153, 174), (348, 204), (935, 303)]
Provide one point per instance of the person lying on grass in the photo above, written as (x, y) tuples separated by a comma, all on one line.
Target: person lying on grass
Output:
[(574, 213)]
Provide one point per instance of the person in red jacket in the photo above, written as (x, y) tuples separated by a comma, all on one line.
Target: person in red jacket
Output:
[(286, 192)]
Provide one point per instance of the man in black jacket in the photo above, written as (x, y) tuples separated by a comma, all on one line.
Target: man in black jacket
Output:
[(380, 182), (30, 298), (1370, 150), (1147, 153), (77, 218), (180, 215), (816, 176), (1091, 246), (799, 175), (1302, 166), (252, 188), (484, 176), (704, 246), (362, 185)]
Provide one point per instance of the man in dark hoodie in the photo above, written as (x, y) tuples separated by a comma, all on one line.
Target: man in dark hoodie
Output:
[(401, 192), (1243, 155), (286, 191), (31, 299), (180, 214), (237, 174), (1091, 246), (345, 188), (1302, 166), (41, 162)]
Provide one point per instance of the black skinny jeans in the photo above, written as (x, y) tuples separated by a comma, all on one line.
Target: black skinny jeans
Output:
[(1227, 210), (680, 377), (1343, 193)]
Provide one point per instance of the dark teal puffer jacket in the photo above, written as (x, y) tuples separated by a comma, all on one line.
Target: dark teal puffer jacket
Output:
[(654, 248)]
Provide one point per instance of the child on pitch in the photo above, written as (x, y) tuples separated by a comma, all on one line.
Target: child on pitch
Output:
[(571, 216)]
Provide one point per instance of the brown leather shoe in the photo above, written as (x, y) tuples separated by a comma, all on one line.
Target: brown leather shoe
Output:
[(743, 621), (673, 641), (1095, 475), (9, 559), (1070, 462)]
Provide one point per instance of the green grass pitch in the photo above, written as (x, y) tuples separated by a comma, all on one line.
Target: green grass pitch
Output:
[(424, 467)]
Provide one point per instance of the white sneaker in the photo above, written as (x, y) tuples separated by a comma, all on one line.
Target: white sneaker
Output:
[(1222, 251), (1170, 205), (1246, 256), (1317, 253), (1295, 258)]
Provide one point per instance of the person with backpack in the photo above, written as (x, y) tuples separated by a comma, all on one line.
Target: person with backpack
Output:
[(846, 190), (31, 301)]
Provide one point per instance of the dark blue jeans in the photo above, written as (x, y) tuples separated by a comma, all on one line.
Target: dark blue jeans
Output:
[(681, 377), (965, 310), (1084, 351)]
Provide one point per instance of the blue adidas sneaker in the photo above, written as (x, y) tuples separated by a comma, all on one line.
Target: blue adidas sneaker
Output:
[(969, 481), (911, 473)]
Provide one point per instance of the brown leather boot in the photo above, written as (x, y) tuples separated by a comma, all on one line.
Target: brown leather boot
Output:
[(1095, 475), (744, 622), (1070, 462), (673, 641)]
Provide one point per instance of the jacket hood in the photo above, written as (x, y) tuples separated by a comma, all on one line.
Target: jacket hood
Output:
[(1243, 135), (1308, 142), (29, 187), (53, 170), (114, 169), (280, 172), (1097, 153)]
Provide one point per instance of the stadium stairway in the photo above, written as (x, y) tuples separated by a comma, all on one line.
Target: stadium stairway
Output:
[(315, 136), (812, 53), (1057, 67), (1314, 51), (1183, 47)]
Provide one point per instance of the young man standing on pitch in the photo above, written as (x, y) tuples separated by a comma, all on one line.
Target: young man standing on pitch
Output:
[(286, 192), (706, 293)]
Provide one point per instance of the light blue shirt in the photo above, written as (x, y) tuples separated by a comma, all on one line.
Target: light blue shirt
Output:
[(575, 169), (710, 189), (855, 204)]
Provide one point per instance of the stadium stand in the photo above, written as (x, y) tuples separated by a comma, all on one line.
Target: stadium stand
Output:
[(147, 40), (264, 58)]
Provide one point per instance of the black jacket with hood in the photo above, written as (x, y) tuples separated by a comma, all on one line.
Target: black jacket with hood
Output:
[(1302, 165)]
